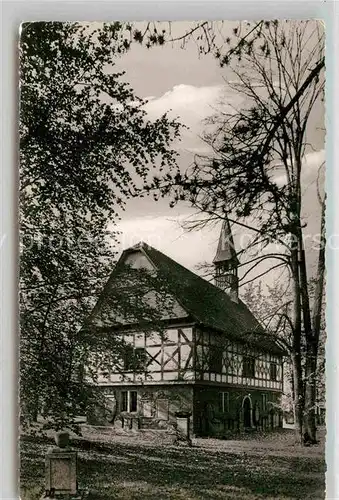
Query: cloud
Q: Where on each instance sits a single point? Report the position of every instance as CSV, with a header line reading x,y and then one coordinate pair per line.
x,y
311,163
313,160
193,102
165,234
199,150
192,105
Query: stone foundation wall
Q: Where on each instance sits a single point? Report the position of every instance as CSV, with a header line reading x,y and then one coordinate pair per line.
x,y
210,420
156,407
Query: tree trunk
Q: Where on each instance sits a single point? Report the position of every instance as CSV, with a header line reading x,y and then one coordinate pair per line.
x,y
298,393
312,341
309,425
298,396
310,428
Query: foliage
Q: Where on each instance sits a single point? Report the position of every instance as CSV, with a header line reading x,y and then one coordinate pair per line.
x,y
85,145
133,299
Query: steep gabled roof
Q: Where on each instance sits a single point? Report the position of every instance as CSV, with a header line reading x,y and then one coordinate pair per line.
x,y
208,305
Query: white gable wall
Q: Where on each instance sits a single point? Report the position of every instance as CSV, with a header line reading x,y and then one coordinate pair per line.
x,y
138,260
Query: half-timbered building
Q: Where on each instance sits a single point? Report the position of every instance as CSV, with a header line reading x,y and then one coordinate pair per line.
x,y
212,358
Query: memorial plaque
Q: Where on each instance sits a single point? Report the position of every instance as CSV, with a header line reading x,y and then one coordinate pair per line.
x,y
61,472
135,424
183,425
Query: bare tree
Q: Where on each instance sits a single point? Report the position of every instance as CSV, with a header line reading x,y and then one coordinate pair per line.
x,y
254,172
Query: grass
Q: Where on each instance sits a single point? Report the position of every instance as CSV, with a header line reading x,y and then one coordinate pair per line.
x,y
125,467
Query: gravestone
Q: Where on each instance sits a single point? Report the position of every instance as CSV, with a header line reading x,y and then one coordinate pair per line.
x,y
118,423
61,471
135,424
183,427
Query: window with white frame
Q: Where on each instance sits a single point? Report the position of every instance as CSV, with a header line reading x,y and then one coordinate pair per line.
x,y
224,402
129,401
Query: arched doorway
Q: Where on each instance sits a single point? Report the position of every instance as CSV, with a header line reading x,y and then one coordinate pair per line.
x,y
247,412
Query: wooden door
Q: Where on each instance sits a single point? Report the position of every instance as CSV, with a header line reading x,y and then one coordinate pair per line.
x,y
247,412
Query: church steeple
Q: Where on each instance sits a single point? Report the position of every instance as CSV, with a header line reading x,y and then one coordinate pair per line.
x,y
226,262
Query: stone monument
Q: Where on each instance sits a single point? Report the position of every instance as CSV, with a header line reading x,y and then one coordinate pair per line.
x,y
183,427
61,471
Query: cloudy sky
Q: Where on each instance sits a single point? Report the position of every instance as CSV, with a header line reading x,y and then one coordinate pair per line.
x,y
188,87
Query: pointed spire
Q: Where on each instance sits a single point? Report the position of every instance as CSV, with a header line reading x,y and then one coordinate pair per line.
x,y
226,262
226,250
